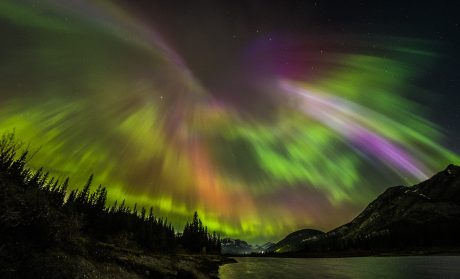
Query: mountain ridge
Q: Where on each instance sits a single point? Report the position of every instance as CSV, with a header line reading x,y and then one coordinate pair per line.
x,y
289,242
423,216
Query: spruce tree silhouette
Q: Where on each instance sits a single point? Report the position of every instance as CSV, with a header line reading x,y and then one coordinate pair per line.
x,y
196,239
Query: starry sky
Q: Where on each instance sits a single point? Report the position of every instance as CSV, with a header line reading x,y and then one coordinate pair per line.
x,y
264,116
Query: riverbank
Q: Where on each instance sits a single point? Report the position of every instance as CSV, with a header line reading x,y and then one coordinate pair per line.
x,y
105,261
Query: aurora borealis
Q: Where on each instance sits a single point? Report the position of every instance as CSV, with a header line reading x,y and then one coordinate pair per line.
x,y
289,130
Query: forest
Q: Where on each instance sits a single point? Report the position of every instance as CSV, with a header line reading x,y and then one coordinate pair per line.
x,y
39,212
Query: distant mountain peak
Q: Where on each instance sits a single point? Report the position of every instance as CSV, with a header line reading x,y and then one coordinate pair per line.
x,y
453,169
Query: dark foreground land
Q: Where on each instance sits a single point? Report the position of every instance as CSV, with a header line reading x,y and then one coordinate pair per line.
x,y
87,259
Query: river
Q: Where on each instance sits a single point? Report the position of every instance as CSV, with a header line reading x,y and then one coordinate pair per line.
x,y
418,267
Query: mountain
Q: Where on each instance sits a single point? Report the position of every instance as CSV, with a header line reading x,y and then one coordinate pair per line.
x,y
240,247
294,240
423,217
265,247
231,246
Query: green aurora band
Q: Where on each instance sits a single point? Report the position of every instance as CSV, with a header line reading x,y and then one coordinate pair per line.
x,y
95,90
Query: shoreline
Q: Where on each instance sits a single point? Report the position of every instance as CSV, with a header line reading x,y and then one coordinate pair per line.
x,y
90,259
353,254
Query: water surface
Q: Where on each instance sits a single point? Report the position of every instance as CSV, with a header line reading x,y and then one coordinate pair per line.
x,y
363,267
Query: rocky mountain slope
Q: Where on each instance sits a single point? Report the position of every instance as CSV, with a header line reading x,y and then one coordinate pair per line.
x,y
236,247
294,240
232,246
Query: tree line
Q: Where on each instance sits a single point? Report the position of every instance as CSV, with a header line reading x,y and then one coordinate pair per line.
x,y
41,208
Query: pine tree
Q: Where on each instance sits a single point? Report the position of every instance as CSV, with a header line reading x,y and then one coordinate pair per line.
x,y
83,197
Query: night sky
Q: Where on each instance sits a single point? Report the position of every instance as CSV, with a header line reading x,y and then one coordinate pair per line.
x,y
265,116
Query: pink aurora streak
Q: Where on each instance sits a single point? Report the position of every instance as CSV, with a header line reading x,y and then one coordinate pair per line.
x,y
346,118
